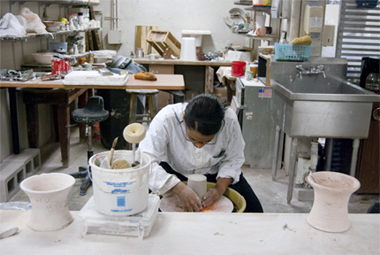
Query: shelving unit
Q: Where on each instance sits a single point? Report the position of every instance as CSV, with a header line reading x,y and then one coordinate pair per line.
x,y
257,8
64,2
25,38
20,40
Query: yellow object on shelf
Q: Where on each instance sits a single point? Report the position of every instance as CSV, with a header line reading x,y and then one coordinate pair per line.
x,y
304,40
262,2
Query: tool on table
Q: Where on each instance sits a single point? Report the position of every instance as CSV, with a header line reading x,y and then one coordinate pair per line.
x,y
105,72
113,149
9,232
134,133
50,77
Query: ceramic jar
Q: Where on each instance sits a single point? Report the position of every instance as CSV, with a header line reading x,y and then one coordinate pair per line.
x,y
48,195
332,192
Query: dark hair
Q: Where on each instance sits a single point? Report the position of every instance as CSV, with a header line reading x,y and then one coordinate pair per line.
x,y
205,114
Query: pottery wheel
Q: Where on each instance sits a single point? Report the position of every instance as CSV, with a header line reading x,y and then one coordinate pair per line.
x,y
168,204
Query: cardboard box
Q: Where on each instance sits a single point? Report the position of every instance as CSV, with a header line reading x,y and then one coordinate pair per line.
x,y
221,93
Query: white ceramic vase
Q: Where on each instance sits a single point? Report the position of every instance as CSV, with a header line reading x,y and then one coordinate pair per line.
x,y
332,192
48,195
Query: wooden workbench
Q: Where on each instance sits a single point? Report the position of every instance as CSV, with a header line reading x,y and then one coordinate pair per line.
x,y
147,61
60,95
164,82
200,233
198,75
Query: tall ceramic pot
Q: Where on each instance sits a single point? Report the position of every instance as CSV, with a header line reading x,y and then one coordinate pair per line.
x,y
48,195
332,192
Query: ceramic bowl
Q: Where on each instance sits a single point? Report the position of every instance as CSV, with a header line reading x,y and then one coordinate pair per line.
x,y
53,26
43,58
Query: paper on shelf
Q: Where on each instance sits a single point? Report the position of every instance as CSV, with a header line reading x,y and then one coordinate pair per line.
x,y
95,78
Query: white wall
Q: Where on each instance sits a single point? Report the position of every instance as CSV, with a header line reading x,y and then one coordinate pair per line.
x,y
331,18
174,16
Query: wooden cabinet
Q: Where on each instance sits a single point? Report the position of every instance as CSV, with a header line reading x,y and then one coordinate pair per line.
x,y
368,169
199,76
164,98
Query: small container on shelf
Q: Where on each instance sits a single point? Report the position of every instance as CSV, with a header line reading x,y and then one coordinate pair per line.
x,y
292,52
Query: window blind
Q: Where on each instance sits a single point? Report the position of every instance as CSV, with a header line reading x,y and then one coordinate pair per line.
x,y
358,36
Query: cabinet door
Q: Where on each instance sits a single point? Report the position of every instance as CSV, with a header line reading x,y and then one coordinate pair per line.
x,y
368,170
209,82
163,98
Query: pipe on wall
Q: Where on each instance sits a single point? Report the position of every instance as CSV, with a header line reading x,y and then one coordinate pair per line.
x,y
294,24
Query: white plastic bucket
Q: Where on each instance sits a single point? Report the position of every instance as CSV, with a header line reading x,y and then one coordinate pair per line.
x,y
121,192
188,50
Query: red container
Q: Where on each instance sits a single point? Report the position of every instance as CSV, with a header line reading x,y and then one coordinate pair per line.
x,y
238,68
60,66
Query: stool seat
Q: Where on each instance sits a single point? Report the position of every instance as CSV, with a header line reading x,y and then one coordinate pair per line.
x,y
143,91
93,112
149,94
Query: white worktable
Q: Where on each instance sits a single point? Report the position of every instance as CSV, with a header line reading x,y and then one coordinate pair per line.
x,y
201,233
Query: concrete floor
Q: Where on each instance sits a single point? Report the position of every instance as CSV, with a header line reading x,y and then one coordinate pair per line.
x,y
272,194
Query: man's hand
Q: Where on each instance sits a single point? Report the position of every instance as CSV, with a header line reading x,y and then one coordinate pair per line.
x,y
188,197
214,194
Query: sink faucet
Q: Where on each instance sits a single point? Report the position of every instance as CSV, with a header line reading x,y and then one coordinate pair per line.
x,y
301,71
320,69
313,70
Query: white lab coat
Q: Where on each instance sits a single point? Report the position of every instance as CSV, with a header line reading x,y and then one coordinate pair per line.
x,y
166,141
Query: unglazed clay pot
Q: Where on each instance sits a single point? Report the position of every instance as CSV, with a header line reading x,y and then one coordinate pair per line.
x,y
331,194
48,195
198,183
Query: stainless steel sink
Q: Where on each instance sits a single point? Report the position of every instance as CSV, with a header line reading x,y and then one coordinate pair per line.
x,y
312,99
312,104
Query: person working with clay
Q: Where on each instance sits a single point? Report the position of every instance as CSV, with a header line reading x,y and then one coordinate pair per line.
x,y
198,137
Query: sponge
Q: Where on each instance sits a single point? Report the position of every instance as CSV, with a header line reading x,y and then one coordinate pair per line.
x,y
304,40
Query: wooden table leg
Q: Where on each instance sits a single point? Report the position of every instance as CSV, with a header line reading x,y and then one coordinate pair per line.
x,y
32,125
64,132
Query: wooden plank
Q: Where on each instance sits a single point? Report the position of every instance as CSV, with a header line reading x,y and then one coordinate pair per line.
x,y
141,34
181,62
95,40
164,82
166,41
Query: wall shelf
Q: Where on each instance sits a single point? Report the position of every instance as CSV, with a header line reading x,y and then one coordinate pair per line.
x,y
243,3
65,2
274,38
25,38
257,8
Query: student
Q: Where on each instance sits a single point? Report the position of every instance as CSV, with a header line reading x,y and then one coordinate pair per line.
x,y
199,137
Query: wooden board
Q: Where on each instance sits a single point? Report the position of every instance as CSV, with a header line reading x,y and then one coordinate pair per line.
x,y
164,82
141,33
165,43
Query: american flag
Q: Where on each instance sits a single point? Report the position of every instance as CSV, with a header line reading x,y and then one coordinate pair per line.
x,y
265,93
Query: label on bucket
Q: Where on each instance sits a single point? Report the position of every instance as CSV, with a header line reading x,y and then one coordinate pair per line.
x,y
119,185
121,201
